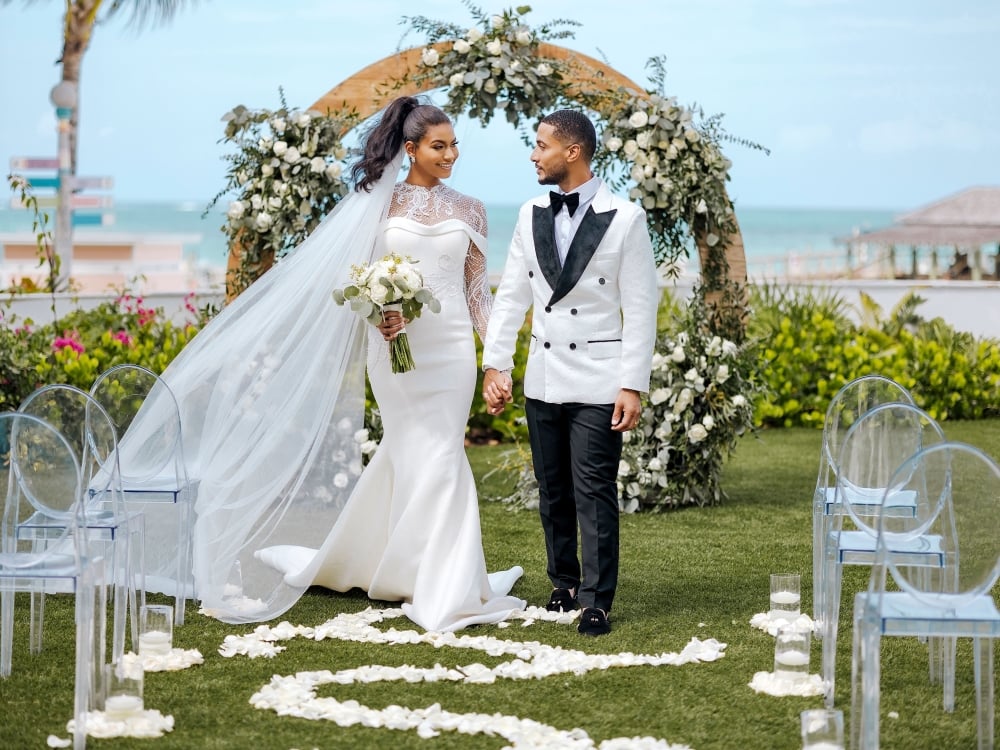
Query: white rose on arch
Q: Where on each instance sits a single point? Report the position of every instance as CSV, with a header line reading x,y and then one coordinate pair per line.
x,y
494,47
461,46
697,433
639,119
430,57
474,35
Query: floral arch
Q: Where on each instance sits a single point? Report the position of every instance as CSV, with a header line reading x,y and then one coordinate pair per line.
x,y
287,174
653,148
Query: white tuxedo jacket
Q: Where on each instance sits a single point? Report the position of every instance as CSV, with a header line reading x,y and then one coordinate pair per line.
x,y
594,320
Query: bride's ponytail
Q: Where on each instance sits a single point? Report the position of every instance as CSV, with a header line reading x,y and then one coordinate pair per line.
x,y
405,119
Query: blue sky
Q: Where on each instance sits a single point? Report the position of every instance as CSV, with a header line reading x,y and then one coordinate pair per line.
x,y
888,104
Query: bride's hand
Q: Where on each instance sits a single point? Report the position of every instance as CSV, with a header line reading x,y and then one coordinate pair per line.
x,y
392,325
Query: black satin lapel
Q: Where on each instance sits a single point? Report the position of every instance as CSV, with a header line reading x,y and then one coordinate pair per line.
x,y
543,232
592,230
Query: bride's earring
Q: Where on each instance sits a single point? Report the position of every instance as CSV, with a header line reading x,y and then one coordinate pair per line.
x,y
412,159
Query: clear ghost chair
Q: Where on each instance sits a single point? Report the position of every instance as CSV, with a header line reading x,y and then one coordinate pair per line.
x,y
846,407
90,431
960,490
873,448
39,469
154,475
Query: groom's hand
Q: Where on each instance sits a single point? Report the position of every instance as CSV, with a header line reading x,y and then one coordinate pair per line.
x,y
628,407
497,390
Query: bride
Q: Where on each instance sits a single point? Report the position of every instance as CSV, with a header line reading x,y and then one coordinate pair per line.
x,y
272,393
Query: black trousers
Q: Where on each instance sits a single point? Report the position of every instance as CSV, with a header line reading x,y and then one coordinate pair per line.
x,y
575,455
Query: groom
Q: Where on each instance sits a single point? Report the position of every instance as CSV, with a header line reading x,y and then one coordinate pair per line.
x,y
582,259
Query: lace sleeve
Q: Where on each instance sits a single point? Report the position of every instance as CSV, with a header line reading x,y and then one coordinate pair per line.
x,y
477,290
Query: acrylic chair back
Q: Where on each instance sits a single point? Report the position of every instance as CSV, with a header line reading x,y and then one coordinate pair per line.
x,y
154,473
847,406
960,489
91,432
86,426
960,500
39,469
874,447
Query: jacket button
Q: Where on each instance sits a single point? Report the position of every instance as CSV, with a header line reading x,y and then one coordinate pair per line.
x,y
573,311
531,274
600,281
548,308
547,345
572,346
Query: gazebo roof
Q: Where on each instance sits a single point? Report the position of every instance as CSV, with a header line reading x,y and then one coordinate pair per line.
x,y
968,218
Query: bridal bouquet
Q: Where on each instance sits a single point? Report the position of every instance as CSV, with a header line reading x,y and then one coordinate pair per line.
x,y
390,283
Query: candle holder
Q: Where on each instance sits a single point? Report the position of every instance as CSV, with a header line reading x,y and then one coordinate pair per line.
x,y
122,691
155,629
822,729
786,597
791,653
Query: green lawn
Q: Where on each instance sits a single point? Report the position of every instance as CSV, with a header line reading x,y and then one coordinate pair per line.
x,y
697,572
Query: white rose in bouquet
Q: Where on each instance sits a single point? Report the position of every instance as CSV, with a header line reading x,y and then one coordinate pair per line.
x,y
494,47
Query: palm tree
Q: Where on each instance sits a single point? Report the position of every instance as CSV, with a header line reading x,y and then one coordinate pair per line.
x,y
79,21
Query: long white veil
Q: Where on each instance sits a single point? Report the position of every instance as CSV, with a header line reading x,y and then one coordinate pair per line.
x,y
271,394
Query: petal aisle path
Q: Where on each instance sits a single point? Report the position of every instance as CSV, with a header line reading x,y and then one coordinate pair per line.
x,y
295,695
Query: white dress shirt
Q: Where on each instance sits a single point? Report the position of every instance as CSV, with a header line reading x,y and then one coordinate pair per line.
x,y
566,225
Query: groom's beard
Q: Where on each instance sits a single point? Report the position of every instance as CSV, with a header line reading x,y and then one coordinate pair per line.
x,y
553,177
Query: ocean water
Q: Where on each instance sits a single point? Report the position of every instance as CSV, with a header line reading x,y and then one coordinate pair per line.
x,y
768,233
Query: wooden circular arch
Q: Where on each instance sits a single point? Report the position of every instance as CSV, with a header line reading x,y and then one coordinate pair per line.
x,y
370,89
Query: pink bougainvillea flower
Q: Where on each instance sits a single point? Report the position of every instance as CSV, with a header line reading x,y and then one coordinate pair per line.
x,y
123,337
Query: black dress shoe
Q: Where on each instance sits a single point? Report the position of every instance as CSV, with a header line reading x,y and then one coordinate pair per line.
x,y
562,601
593,621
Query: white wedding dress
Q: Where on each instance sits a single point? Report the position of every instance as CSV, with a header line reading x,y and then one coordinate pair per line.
x,y
410,529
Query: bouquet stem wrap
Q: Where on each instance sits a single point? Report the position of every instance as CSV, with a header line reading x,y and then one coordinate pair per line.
x,y
399,348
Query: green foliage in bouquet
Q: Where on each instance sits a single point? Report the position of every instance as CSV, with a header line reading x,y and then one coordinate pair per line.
x,y
811,346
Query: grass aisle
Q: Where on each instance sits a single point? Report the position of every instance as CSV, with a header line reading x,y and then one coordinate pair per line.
x,y
691,573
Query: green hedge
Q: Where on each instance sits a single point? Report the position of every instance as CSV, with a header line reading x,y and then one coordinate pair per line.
x,y
811,346
808,340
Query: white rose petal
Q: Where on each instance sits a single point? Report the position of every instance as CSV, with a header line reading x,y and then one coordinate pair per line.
x,y
494,47
523,38
456,80
461,46
474,35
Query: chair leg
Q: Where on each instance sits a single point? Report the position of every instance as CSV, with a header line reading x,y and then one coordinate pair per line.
x,y
822,526
865,718
948,645
6,625
36,620
983,659
829,626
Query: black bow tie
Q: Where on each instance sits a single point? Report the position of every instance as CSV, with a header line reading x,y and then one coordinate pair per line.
x,y
570,200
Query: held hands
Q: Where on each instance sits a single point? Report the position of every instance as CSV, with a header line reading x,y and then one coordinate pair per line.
x,y
392,324
628,408
497,390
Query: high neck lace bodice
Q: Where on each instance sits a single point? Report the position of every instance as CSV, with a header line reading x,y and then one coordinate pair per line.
x,y
433,205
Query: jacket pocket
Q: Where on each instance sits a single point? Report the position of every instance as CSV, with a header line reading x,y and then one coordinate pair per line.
x,y
604,349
